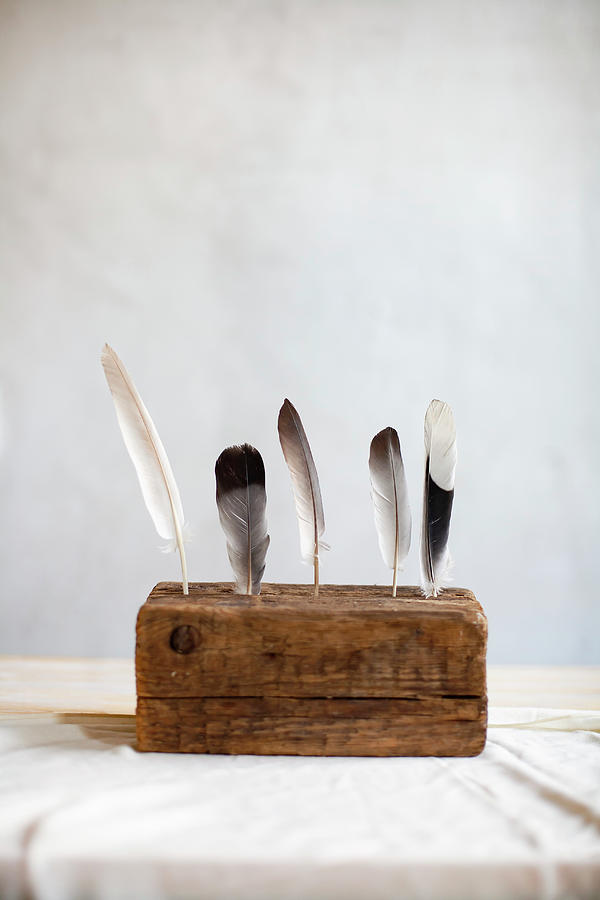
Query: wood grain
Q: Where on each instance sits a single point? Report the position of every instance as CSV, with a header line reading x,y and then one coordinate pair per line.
x,y
313,727
351,642
352,671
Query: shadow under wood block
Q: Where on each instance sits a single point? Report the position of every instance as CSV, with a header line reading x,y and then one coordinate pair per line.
x,y
353,672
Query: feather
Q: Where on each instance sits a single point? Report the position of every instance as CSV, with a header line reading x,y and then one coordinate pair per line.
x,y
390,500
305,482
148,455
242,504
438,495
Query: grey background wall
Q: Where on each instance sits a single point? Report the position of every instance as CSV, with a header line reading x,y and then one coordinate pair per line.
x,y
359,205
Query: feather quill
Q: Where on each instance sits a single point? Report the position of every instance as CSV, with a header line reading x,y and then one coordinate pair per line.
x,y
242,504
305,483
438,495
390,500
148,455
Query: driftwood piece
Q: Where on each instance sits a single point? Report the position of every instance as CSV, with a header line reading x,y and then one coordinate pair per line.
x,y
353,672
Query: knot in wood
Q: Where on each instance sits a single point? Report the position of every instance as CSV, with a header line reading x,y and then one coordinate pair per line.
x,y
184,639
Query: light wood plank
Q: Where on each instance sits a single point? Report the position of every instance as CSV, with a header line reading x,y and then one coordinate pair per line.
x,y
548,687
30,684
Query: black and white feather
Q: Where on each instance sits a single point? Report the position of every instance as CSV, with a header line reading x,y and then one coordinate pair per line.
x,y
242,505
438,495
390,500
305,483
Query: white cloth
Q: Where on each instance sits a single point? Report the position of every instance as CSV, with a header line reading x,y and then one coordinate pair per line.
x,y
83,814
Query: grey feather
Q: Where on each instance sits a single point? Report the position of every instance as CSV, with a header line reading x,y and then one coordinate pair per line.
x,y
305,483
390,500
242,505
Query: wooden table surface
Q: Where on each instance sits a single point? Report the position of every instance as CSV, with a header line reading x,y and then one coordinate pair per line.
x,y
107,686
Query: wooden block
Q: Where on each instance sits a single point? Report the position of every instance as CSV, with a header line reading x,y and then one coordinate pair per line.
x,y
353,672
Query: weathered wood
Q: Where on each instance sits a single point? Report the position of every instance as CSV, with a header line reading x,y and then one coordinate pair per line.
x,y
352,672
351,642
336,727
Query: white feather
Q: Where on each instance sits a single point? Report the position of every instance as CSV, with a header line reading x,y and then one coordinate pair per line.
x,y
148,455
440,444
